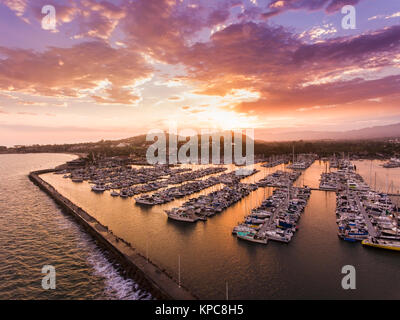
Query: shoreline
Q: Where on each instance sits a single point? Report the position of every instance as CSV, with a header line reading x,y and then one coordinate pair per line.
x,y
76,154
149,276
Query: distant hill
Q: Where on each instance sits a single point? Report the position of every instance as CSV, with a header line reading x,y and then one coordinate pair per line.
x,y
377,132
368,142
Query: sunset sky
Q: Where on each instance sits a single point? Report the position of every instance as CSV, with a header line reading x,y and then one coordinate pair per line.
x,y
114,69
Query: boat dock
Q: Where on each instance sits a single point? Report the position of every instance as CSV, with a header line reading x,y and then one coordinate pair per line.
x,y
362,212
267,226
319,189
276,218
371,229
170,194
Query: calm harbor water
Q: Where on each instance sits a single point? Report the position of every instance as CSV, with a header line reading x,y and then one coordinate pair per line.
x,y
211,258
34,232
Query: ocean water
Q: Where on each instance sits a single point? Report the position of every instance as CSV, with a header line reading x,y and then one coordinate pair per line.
x,y
34,232
309,267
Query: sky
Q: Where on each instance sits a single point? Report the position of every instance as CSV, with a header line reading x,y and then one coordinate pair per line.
x,y
115,69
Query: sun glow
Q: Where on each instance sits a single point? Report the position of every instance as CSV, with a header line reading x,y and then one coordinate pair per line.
x,y
226,120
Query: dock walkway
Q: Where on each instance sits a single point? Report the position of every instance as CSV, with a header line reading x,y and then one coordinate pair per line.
x,y
389,194
371,230
266,226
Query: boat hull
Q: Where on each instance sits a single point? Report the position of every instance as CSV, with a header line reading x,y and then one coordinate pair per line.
x,y
182,219
251,239
278,239
381,246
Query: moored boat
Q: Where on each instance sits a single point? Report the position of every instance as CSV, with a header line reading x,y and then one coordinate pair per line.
x,y
98,188
382,244
252,237
181,216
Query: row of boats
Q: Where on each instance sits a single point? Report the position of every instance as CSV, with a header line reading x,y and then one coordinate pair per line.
x,y
342,179
279,179
303,162
341,163
273,161
205,206
329,181
365,215
362,214
173,193
392,163
186,189
276,218
134,190
122,176
193,175
129,187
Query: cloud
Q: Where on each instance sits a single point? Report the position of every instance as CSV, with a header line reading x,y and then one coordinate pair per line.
x,y
220,55
276,7
18,6
394,15
27,113
98,19
84,66
382,16
385,41
318,32
90,18
193,110
315,108
32,103
276,63
175,98
164,28
324,96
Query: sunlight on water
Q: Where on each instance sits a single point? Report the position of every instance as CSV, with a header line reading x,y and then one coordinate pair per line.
x,y
34,232
308,267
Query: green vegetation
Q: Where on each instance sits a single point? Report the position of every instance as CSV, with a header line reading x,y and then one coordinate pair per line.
x,y
137,147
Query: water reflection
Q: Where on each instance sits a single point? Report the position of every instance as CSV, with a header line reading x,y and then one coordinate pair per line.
x,y
34,232
308,267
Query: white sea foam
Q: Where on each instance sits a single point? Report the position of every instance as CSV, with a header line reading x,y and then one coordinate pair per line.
x,y
116,286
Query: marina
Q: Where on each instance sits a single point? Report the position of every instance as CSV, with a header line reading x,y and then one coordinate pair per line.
x,y
132,180
164,240
150,277
172,193
279,179
302,161
208,205
392,163
276,219
275,161
200,150
215,202
362,213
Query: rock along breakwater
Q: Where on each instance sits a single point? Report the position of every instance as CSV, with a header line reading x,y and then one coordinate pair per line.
x,y
149,276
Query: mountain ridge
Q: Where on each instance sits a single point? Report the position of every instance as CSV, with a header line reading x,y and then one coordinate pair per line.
x,y
374,132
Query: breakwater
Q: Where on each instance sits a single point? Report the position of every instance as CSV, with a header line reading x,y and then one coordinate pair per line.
x,y
149,276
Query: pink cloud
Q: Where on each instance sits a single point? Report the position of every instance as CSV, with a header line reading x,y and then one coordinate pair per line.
x,y
73,72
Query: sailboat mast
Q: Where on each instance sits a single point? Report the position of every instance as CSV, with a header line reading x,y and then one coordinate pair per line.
x,y
293,154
